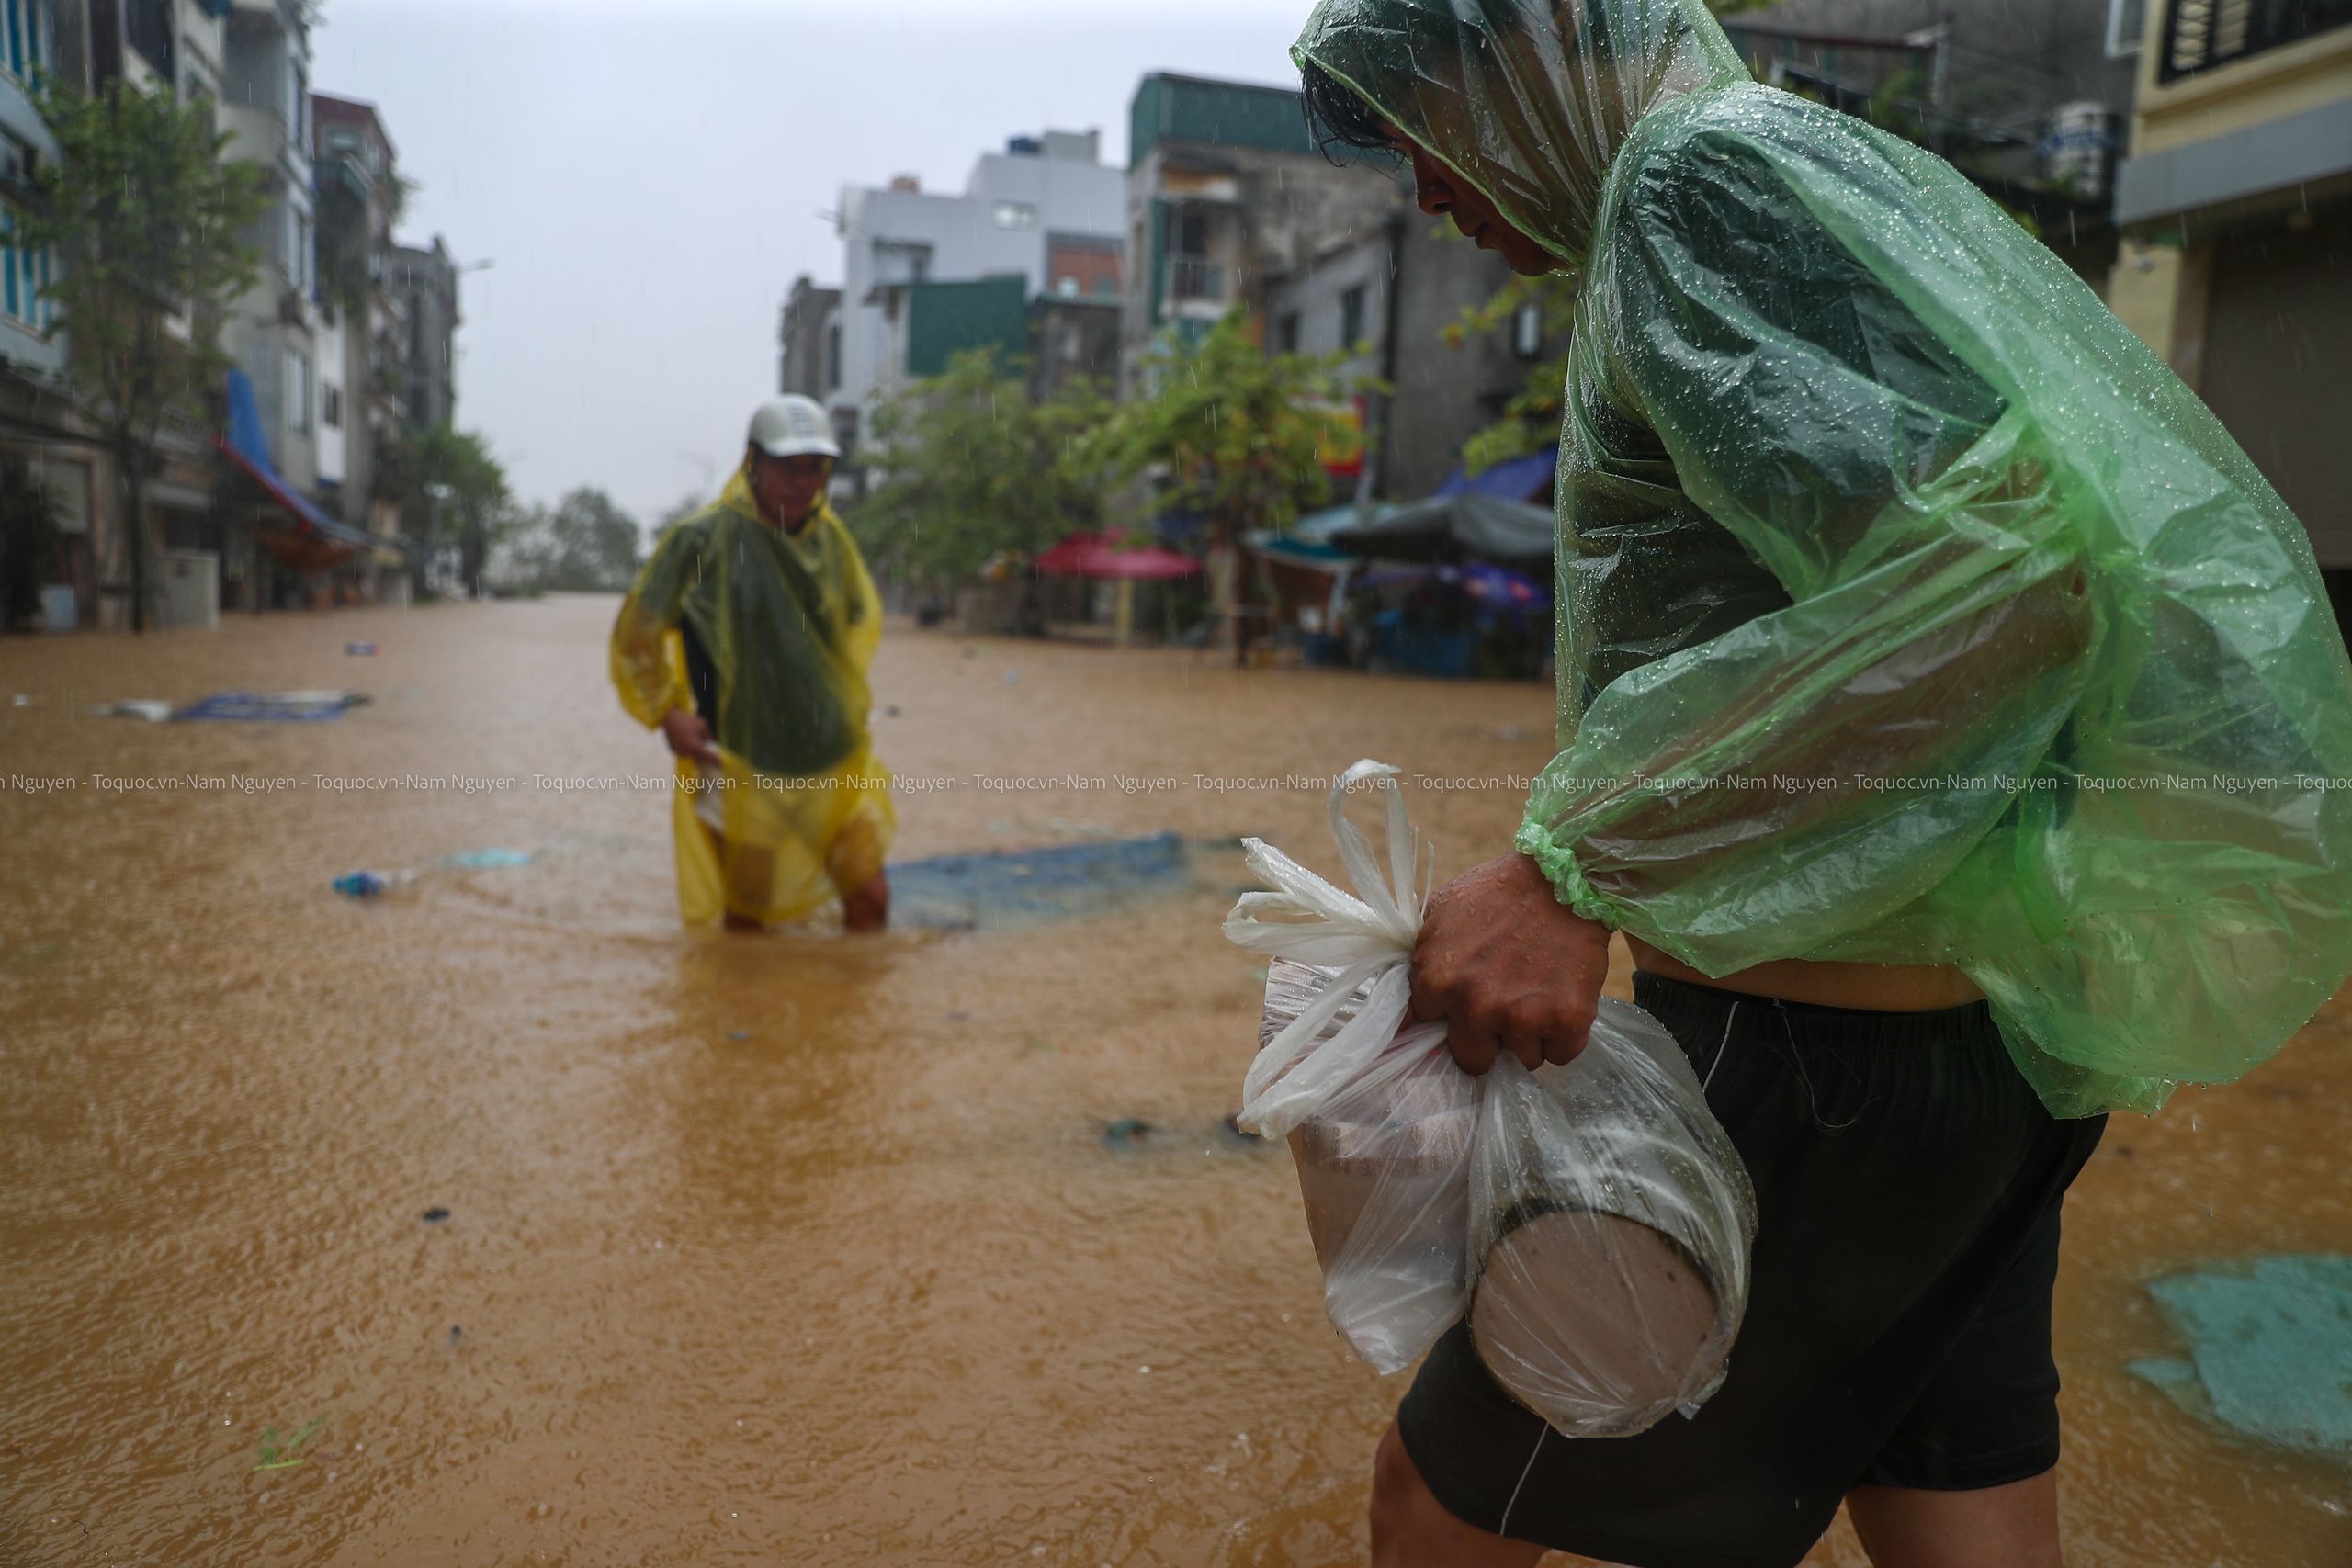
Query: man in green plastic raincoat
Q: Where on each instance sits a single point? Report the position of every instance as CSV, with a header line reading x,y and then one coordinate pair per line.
x,y
1951,717
746,641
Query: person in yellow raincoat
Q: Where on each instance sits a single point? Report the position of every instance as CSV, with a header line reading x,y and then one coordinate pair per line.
x,y
746,641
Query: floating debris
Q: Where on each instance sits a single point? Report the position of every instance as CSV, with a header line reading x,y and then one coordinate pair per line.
x,y
148,708
2271,1348
435,1214
1126,1132
957,892
487,859
276,1455
273,707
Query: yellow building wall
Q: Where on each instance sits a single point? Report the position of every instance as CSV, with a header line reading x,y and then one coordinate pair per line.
x,y
2239,96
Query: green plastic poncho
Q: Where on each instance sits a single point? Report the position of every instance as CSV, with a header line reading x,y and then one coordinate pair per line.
x,y
1912,611
782,630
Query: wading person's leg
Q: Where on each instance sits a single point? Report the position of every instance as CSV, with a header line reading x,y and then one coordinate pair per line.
x,y
854,863
1410,1529
1998,1526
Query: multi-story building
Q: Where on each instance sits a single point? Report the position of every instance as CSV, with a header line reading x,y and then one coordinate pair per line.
x,y
1230,201
38,420
925,275
424,280
1227,192
357,173
808,337
272,332
2236,208
1392,297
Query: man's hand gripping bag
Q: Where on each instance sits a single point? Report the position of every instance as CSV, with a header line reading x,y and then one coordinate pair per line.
x,y
1593,1219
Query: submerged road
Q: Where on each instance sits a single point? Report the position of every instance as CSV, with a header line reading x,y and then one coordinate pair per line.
x,y
792,1249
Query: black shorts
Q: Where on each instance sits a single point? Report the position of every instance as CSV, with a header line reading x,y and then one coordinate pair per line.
x,y
1908,1188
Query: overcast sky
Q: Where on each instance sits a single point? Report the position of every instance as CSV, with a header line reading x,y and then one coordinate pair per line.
x,y
647,178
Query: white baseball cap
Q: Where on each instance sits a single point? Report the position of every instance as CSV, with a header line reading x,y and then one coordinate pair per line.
x,y
793,426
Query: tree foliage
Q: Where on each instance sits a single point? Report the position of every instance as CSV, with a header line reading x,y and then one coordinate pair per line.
x,y
1237,433
973,469
586,545
143,215
450,491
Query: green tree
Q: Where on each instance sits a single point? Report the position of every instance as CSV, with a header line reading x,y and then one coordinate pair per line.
x,y
143,214
586,544
1239,433
973,469
450,491
598,546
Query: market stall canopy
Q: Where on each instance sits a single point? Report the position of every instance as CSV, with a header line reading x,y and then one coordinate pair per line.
x,y
1527,478
1312,555
244,447
1092,555
1451,527
1320,525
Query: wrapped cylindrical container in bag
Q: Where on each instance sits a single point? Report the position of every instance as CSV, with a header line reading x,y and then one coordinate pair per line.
x,y
1592,1219
1610,1222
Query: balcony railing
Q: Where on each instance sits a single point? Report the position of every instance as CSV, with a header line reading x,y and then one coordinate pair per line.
x,y
2201,34
1194,277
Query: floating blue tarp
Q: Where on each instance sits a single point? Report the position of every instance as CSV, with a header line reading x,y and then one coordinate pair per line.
x,y
273,707
952,892
2271,1342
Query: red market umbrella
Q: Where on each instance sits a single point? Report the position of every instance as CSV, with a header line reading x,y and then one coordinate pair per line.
x,y
1088,555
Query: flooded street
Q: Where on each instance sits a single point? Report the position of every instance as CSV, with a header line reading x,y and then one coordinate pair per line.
x,y
785,1249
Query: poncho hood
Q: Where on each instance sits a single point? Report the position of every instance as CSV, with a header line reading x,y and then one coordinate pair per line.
x,y
1528,100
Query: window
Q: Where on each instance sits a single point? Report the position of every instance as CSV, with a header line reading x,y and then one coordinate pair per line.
x,y
834,357
1015,215
24,49
1527,330
147,26
298,393
330,406
902,261
1351,317
2126,20
1286,332
304,272
24,278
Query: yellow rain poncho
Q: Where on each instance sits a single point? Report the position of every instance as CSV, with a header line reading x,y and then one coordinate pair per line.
x,y
775,631
1912,611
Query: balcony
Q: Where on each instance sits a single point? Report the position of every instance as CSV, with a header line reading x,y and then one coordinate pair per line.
x,y
1193,287
2201,34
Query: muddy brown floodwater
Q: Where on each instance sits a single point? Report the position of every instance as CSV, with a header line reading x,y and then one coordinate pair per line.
x,y
782,1249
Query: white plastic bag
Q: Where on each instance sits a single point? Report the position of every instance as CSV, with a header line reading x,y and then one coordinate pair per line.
x,y
1593,1219
1378,1116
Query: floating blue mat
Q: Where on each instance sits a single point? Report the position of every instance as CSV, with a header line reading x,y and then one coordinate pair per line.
x,y
272,707
2272,1346
952,892
487,859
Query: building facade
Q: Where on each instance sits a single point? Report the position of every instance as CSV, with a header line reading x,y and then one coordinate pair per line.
x,y
1041,218
363,330
1225,193
424,284
808,341
2236,209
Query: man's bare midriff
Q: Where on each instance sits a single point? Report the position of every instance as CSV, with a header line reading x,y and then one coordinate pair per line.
x,y
1874,987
